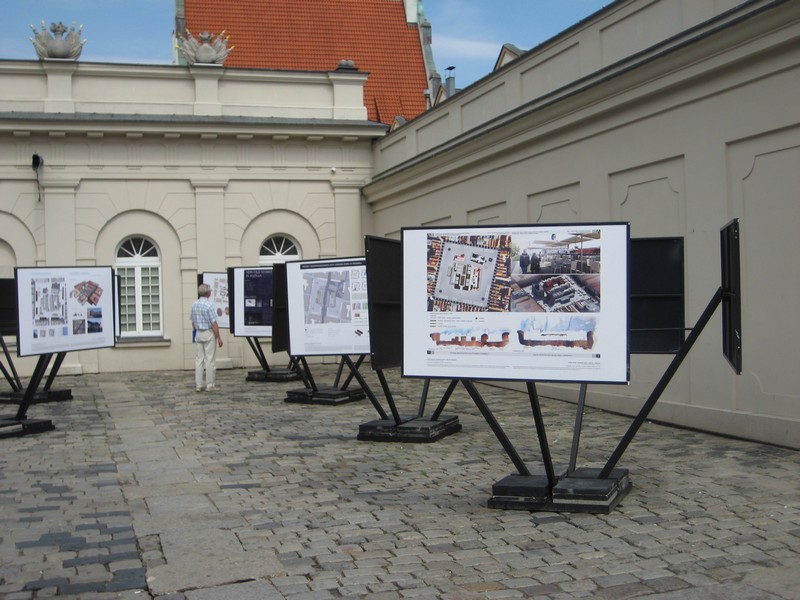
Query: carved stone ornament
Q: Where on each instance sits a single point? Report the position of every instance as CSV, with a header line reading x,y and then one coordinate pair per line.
x,y
202,50
58,45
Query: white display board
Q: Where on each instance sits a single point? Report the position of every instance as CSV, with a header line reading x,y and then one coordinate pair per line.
x,y
63,309
218,282
328,307
526,303
252,297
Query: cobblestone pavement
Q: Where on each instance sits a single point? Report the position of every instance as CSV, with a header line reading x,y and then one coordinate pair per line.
x,y
147,489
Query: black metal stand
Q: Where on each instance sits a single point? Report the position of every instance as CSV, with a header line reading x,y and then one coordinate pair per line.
x,y
47,394
268,373
523,490
662,383
329,395
11,376
600,490
409,428
20,422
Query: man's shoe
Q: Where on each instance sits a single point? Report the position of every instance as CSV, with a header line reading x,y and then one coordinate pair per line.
x,y
198,389
211,388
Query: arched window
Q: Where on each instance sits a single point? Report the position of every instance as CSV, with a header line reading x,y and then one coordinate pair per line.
x,y
138,267
278,249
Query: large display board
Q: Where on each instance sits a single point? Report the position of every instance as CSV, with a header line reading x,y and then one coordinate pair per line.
x,y
63,309
250,300
523,302
385,295
328,312
218,282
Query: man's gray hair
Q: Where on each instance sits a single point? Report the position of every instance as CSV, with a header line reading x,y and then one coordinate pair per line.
x,y
203,290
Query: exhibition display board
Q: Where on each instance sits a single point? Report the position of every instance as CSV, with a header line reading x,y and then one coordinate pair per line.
x,y
218,282
64,309
522,302
327,301
250,301
384,260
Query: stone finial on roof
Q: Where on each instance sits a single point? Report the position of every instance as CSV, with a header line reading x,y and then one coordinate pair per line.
x,y
204,49
346,64
57,45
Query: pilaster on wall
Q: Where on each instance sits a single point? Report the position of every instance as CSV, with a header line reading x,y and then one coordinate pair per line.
x,y
347,207
210,219
206,89
59,85
58,198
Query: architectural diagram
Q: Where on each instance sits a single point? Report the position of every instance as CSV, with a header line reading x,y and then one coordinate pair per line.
x,y
469,273
327,297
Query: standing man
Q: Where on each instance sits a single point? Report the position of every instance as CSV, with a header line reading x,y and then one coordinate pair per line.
x,y
204,321
524,261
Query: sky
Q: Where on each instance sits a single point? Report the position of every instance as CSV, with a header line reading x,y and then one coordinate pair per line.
x,y
467,34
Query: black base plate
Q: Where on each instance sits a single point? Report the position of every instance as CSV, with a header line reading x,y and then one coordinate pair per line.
x,y
273,375
26,426
582,491
411,429
325,395
38,397
521,492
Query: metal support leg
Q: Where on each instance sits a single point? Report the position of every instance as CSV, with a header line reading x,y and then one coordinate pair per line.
x,y
541,433
443,402
662,384
576,430
496,428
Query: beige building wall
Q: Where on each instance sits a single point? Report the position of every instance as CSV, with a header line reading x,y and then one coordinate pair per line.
x,y
674,115
205,162
677,139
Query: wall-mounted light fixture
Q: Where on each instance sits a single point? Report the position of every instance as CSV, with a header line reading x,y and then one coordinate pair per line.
x,y
37,162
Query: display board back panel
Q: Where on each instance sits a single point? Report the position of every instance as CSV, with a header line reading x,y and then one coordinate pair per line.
x,y
8,307
517,302
64,309
328,307
385,294
280,309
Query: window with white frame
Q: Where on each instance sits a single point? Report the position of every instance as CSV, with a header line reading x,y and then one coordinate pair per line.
x,y
138,267
278,249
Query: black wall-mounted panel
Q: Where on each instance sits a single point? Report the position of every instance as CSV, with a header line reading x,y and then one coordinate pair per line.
x,y
656,290
731,295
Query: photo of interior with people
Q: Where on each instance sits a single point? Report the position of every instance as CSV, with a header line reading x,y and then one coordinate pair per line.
x,y
556,272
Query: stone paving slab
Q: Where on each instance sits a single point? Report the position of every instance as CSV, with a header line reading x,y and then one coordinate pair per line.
x,y
147,489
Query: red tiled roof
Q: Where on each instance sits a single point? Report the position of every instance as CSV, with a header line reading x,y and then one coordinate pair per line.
x,y
314,35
